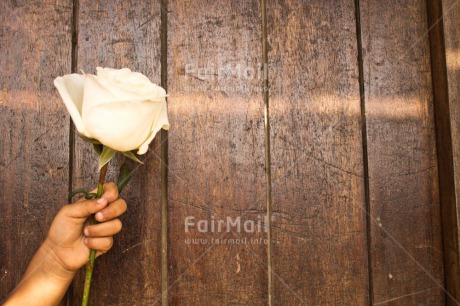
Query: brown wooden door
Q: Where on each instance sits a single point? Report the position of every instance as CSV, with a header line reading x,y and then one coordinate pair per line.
x,y
344,150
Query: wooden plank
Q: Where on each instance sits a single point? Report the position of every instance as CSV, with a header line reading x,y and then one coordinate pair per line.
x,y
406,246
444,41
35,47
164,162
319,251
216,151
451,14
119,34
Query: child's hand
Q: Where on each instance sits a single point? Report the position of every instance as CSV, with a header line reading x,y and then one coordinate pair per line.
x,y
71,236
67,248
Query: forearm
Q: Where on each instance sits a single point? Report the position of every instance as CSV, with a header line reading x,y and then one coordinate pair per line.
x,y
45,281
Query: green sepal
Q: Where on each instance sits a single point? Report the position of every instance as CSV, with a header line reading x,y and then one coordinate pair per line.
x,y
124,176
106,155
89,196
75,192
131,156
88,139
98,148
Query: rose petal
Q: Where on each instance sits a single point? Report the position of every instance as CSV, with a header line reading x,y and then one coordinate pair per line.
x,y
122,126
101,90
70,87
159,122
126,85
113,75
95,94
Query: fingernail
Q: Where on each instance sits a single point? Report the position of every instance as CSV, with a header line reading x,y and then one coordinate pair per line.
x,y
86,232
86,240
100,216
101,201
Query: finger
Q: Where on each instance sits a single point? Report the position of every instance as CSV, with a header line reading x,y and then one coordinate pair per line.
x,y
102,244
110,193
83,197
99,253
112,211
83,209
103,229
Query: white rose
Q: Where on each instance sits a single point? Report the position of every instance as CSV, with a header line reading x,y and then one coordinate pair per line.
x,y
121,109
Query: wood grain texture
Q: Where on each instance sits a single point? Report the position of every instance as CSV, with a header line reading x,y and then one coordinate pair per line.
x,y
319,251
445,48
216,148
216,151
451,19
403,175
448,201
35,47
121,34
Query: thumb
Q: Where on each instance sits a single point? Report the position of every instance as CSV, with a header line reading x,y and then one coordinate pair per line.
x,y
83,209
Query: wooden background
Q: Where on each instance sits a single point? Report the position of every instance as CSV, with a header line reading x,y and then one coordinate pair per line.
x,y
357,167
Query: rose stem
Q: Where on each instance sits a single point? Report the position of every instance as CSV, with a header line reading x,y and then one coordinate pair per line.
x,y
92,254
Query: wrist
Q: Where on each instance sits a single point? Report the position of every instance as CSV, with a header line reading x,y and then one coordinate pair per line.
x,y
45,281
52,264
